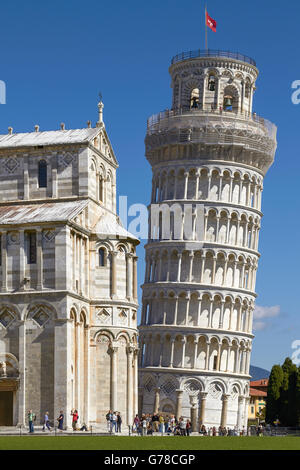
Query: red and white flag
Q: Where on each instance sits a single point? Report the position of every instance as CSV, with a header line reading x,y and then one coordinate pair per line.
x,y
212,24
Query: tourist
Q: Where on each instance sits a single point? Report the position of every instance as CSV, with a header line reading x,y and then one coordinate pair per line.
x,y
182,426
46,422
119,422
155,422
83,427
136,423
31,419
188,427
144,426
74,414
60,420
109,420
114,422
167,424
161,424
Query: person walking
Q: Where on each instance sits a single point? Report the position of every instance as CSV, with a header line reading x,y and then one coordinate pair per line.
x,y
74,414
119,422
60,420
31,418
46,421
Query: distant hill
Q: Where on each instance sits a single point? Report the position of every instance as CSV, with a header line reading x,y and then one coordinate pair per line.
x,y
258,373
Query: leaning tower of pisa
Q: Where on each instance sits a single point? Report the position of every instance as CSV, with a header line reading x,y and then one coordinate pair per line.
x,y
209,154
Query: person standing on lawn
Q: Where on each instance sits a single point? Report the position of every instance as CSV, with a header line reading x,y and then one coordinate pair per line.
x,y
31,419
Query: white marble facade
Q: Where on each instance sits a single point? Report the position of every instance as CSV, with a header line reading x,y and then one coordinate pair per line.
x,y
68,285
209,152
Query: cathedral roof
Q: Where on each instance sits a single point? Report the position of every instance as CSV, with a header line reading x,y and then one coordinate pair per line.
x,y
59,137
45,212
109,226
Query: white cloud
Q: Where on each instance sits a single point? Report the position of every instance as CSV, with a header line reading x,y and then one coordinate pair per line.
x,y
261,313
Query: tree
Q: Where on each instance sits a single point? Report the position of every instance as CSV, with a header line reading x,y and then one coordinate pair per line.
x,y
287,410
273,394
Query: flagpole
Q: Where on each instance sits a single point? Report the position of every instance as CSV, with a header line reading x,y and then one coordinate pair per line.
x,y
206,47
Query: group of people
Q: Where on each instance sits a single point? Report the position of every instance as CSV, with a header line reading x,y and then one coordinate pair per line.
x,y
60,421
169,424
148,424
114,421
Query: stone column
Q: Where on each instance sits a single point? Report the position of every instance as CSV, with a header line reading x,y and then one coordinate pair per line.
x,y
39,259
197,185
203,396
62,374
54,183
22,369
179,267
241,405
194,413
191,256
186,178
26,181
179,403
156,400
135,378
183,341
129,385
114,274
134,288
87,373
77,365
22,258
114,378
129,281
195,353
176,310
245,423
224,410
4,261
207,356
172,352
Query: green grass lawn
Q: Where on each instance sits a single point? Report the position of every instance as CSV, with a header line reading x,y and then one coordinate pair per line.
x,y
147,443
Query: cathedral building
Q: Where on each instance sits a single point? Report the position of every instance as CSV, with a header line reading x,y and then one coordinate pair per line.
x,y
209,154
68,279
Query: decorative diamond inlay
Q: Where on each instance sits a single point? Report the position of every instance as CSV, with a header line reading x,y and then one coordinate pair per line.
x,y
6,318
168,387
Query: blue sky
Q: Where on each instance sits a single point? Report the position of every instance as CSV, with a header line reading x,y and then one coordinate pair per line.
x,y
56,56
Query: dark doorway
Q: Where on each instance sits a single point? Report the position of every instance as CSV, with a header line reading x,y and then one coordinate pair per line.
x,y
6,408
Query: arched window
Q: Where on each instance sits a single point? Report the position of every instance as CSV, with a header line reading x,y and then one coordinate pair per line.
x,y
101,189
42,174
211,82
101,257
195,94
